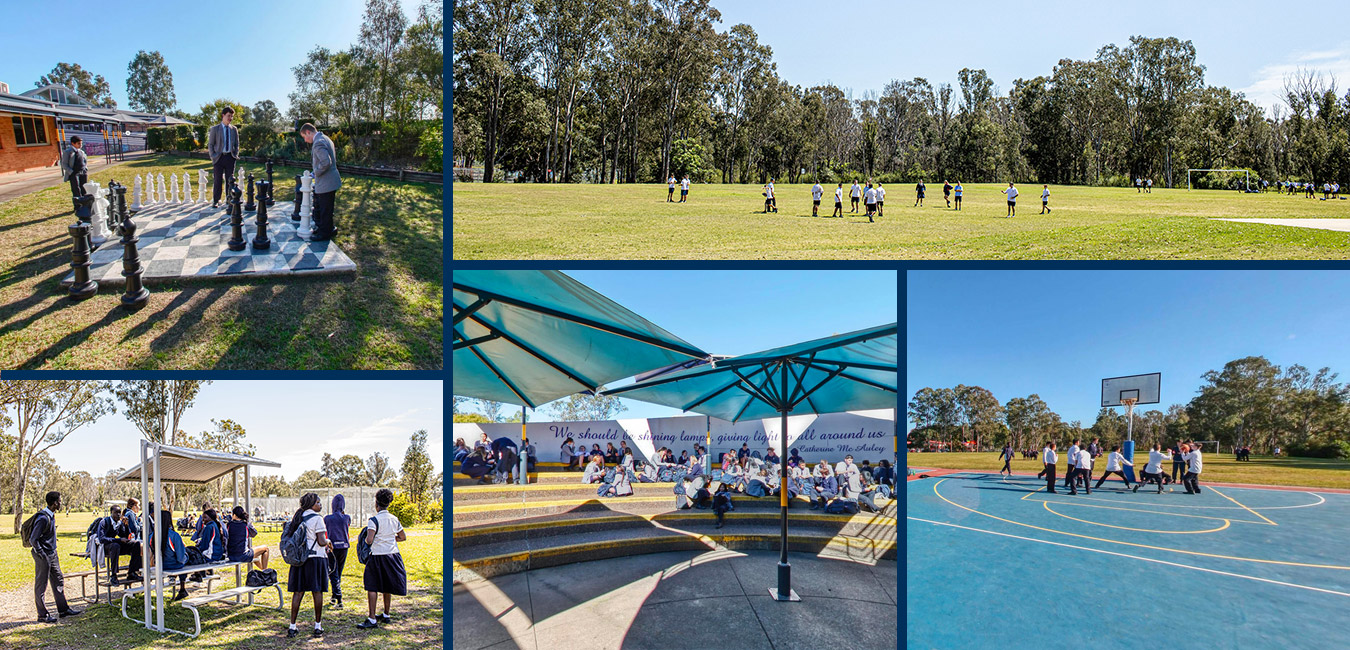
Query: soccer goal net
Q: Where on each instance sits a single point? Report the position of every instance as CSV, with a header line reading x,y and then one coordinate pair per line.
x,y
1208,446
1219,179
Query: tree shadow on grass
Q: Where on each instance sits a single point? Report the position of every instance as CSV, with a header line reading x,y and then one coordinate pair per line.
x,y
75,338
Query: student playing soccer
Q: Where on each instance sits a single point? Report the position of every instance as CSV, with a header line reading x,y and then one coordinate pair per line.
x,y
957,190
1045,199
855,194
1012,200
947,192
918,193
870,201
1113,466
881,199
684,189
670,189
1153,472
816,191
838,201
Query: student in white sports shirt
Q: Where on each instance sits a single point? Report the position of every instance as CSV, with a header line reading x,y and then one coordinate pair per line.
x,y
769,202
1048,455
1012,200
816,192
855,194
1153,471
1194,465
684,189
1115,462
870,201
881,199
1045,200
838,201
1070,458
1082,466
670,189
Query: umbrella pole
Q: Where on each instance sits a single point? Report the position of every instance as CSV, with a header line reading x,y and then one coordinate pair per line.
x,y
521,476
784,591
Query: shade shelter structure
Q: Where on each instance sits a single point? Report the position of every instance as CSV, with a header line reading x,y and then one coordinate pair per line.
x,y
162,465
529,337
858,370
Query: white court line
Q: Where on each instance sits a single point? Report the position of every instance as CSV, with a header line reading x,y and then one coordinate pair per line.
x,y
1136,557
1320,499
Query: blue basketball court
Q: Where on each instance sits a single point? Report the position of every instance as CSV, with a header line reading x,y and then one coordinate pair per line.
x,y
996,562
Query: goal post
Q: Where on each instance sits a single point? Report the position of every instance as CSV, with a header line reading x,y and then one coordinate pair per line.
x,y
1246,182
1204,445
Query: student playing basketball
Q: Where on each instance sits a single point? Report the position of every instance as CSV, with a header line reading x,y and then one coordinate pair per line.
x,y
1153,472
1082,469
1012,200
855,194
918,193
670,189
1045,200
1114,461
947,193
957,190
1194,465
838,201
816,191
1006,456
1048,455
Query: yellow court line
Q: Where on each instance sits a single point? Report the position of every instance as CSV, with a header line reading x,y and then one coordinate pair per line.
x,y
1138,530
1149,512
1243,507
1113,541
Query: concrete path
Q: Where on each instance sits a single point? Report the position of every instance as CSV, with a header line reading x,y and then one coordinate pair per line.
x,y
15,185
1341,225
688,599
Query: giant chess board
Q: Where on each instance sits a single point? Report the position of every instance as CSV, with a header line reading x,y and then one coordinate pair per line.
x,y
188,240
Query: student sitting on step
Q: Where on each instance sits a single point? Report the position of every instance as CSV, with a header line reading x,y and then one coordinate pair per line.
x,y
476,465
568,454
461,450
595,470
722,503
825,487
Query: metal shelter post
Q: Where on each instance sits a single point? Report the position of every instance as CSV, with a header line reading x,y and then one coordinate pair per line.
x,y
707,446
784,591
145,542
159,561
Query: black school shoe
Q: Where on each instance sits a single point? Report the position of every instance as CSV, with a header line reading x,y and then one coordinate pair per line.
x,y
384,618
50,618
291,632
71,612
366,624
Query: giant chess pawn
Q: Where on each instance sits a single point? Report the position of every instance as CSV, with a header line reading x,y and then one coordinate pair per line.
x,y
119,205
136,294
163,195
81,287
250,205
239,177
201,186
173,178
136,194
306,206
98,220
269,200
295,211
260,241
187,188
236,209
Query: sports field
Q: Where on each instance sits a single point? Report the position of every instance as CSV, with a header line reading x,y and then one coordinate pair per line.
x,y
997,562
524,221
418,617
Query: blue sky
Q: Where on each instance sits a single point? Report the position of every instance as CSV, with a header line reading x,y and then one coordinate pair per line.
x,y
863,44
739,312
291,422
1059,333
243,50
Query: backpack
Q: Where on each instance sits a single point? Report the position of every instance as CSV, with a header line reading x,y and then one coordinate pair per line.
x,y
842,507
95,529
261,578
362,548
294,549
26,530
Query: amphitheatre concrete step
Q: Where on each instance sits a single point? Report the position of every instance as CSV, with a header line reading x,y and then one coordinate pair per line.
x,y
543,491
517,508
868,525
534,477
488,560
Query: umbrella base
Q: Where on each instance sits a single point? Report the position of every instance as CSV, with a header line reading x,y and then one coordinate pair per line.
x,y
792,596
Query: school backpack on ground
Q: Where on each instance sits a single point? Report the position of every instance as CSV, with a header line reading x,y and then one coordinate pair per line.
x,y
842,507
294,549
362,548
261,578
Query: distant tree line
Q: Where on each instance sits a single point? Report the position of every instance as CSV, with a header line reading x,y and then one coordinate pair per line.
x,y
1249,402
625,91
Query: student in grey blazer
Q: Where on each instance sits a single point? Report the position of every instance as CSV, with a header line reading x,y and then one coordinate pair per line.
x,y
223,145
75,165
326,181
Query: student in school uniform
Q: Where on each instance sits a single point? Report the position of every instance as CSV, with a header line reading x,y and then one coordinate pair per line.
x,y
1194,465
918,193
595,470
312,576
1178,463
1012,200
239,542
684,189
336,523
947,193
855,194
769,202
1070,458
870,202
670,189
957,192
1006,456
1153,471
816,192
1048,455
384,573
881,200
1114,462
1045,199
1082,468
838,201
47,563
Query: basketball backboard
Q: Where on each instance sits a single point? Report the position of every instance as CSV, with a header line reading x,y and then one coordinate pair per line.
x,y
1144,389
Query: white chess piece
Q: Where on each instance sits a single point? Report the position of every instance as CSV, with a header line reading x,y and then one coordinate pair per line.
x,y
99,220
187,188
306,204
201,186
175,197
239,177
163,196
136,194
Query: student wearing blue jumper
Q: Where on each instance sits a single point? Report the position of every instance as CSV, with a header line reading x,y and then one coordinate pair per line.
x,y
337,522
47,564
239,540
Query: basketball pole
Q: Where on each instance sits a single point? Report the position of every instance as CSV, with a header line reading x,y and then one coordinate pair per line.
x,y
1128,446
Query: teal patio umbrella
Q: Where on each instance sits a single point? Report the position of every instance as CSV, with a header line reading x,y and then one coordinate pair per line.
x,y
529,337
858,370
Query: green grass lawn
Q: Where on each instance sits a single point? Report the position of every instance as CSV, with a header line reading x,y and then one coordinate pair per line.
x,y
1220,468
387,316
418,617
515,221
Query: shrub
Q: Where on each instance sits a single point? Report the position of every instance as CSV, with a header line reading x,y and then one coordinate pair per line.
x,y
405,510
431,148
1321,449
434,512
160,138
255,136
184,139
